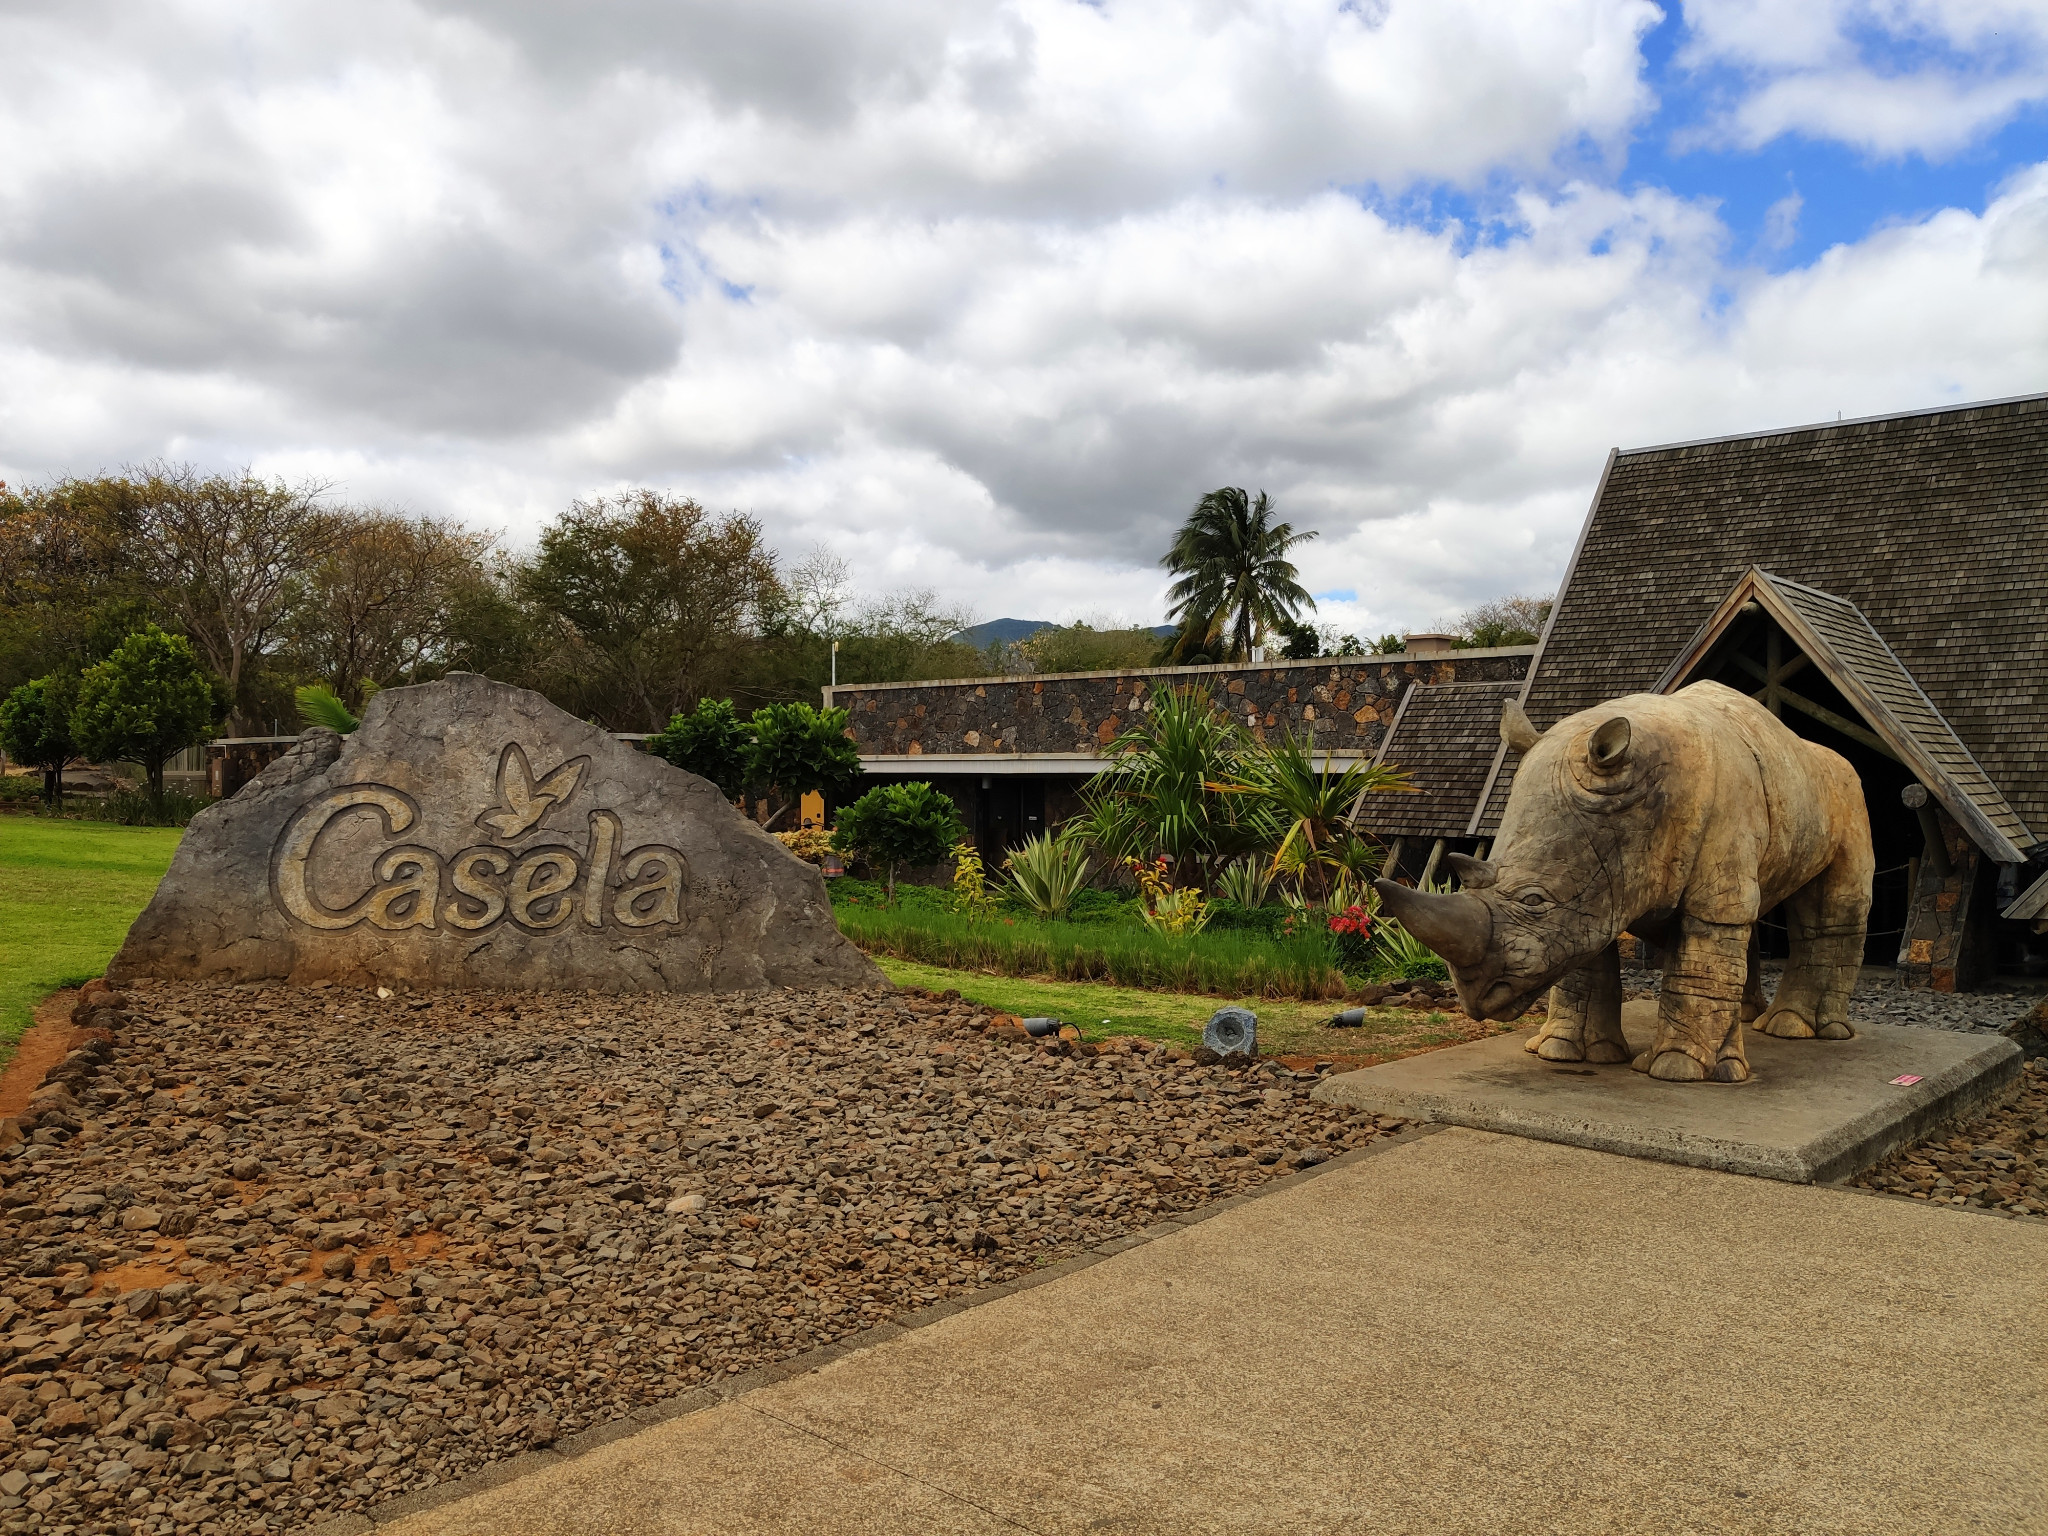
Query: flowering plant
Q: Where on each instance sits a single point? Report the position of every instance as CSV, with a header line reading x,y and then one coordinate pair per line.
x,y
1352,930
1168,909
1353,919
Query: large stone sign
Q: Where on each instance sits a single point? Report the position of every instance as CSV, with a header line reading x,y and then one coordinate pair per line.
x,y
471,834
1682,819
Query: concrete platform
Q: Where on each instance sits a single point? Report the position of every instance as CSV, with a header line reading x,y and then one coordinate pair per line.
x,y
1813,1111
1467,1335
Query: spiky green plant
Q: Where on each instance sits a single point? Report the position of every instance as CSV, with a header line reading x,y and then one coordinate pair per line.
x,y
1314,808
1247,882
1047,871
1162,796
321,705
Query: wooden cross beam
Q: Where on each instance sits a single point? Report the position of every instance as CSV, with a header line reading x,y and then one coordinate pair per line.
x,y
1775,696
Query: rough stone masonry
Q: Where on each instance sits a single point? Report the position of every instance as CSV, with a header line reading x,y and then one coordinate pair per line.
x,y
470,834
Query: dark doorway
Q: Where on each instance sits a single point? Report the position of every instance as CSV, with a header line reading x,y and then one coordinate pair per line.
x,y
1007,811
1758,658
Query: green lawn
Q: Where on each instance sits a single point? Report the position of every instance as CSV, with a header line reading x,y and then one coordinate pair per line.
x,y
1099,1009
68,891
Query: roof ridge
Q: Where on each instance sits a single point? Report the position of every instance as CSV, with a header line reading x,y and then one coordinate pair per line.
x,y
1823,426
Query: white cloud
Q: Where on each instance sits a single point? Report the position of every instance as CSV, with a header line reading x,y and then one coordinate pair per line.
x,y
982,296
1887,77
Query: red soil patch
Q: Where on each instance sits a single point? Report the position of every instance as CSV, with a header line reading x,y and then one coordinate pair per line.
x,y
48,1041
162,1266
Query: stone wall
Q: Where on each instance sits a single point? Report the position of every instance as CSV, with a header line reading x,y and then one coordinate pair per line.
x,y
1346,705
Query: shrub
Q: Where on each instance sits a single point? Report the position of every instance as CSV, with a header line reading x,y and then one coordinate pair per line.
x,y
1227,964
19,789
140,808
899,824
1048,871
848,891
810,844
797,750
971,895
35,728
710,741
147,700
1274,922
1093,906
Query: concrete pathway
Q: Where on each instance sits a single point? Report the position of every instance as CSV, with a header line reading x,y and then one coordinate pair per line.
x,y
1465,1333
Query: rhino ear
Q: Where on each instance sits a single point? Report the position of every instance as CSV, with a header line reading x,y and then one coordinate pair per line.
x,y
1515,728
1473,874
1609,746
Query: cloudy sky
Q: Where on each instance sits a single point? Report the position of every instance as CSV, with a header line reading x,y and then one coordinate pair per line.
x,y
984,295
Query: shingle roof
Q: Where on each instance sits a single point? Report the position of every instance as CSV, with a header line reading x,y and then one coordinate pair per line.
x,y
1934,526
2032,902
1443,736
1838,639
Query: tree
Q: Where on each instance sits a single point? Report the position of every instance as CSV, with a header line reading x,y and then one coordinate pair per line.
x,y
1235,579
798,750
1504,621
1082,647
1303,643
149,699
711,742
35,728
899,824
656,596
229,556
71,587
381,606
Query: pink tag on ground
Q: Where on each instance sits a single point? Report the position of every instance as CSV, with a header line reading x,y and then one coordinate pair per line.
x,y
1905,1082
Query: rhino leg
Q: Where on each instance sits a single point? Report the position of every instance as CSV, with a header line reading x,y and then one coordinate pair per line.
x,y
1699,1020
1585,1014
1754,1003
1826,919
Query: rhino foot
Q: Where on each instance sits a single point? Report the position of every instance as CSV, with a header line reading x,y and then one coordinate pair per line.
x,y
1729,1070
1785,1024
1837,1029
1606,1052
1558,1048
1677,1067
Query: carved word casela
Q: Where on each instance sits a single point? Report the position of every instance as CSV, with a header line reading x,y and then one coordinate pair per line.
x,y
540,888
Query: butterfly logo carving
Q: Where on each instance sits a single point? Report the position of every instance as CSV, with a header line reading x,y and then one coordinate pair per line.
x,y
521,802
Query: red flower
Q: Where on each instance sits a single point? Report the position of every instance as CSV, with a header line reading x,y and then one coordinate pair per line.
x,y
1353,919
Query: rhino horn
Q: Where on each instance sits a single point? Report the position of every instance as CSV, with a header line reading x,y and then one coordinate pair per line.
x,y
1473,874
1458,927
1516,729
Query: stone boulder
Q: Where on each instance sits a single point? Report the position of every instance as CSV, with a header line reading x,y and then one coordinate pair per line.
x,y
470,834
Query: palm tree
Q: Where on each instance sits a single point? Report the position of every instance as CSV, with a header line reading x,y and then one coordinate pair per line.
x,y
1236,581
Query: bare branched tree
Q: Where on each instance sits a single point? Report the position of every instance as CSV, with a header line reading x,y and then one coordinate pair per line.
x,y
228,556
381,606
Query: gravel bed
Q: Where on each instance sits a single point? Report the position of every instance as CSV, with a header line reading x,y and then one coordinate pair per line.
x,y
1998,1161
270,1255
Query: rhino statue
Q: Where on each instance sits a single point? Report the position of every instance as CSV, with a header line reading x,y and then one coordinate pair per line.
x,y
1680,818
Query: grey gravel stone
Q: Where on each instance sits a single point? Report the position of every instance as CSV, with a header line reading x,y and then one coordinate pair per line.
x,y
555,1209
